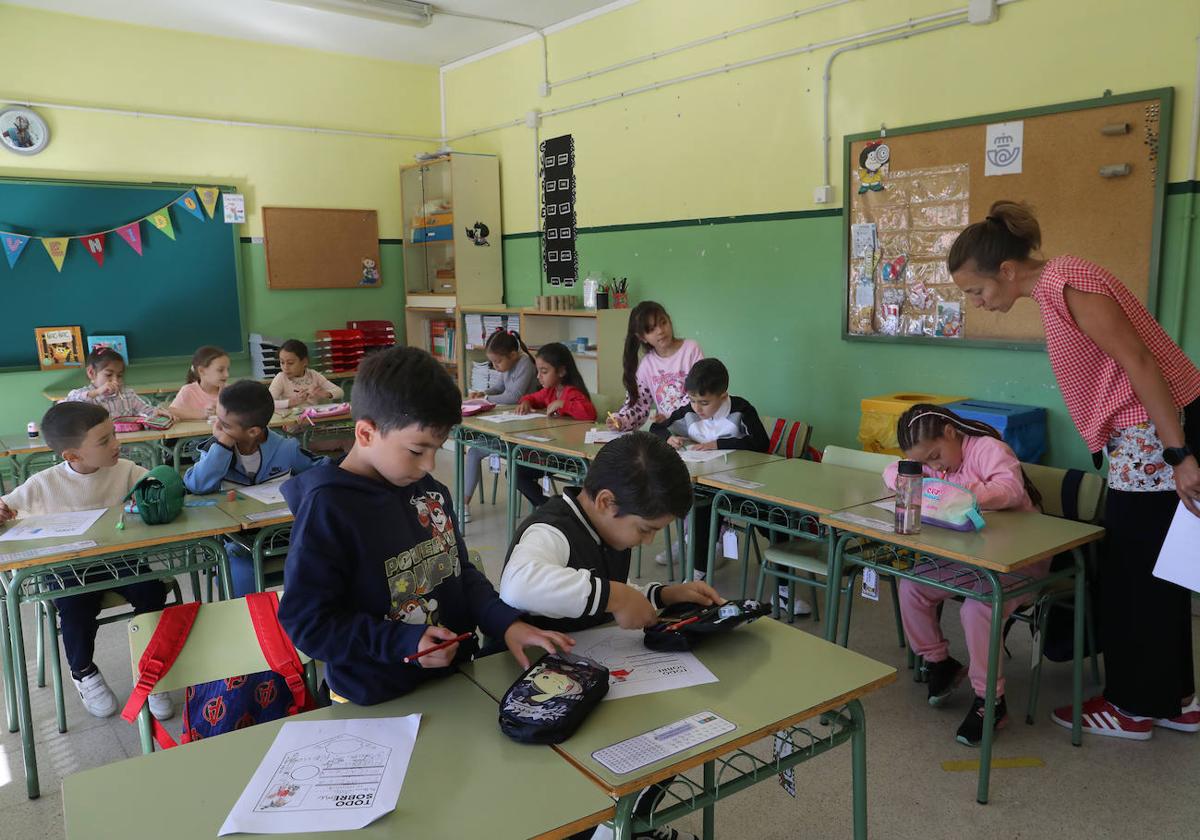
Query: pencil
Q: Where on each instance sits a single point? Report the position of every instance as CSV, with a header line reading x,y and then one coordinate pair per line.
x,y
462,637
679,624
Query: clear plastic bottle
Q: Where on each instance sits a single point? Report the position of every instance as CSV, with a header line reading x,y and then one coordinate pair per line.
x,y
909,480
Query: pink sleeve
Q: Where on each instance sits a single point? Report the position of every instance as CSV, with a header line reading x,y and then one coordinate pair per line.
x,y
694,352
999,484
889,474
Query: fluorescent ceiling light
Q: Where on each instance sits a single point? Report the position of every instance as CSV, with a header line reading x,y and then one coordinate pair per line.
x,y
407,12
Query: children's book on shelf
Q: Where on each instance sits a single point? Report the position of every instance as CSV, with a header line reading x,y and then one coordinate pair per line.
x,y
113,342
59,347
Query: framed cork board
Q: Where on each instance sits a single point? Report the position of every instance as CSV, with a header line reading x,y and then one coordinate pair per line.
x,y
321,249
1094,172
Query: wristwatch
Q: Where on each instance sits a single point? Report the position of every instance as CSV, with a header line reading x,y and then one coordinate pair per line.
x,y
1174,455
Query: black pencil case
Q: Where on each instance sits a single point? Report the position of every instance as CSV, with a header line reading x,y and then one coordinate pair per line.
x,y
709,621
548,702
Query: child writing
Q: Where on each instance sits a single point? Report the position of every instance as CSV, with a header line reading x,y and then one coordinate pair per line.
x,y
711,419
106,373
970,454
296,384
92,475
568,566
377,569
207,375
655,381
510,357
563,393
244,451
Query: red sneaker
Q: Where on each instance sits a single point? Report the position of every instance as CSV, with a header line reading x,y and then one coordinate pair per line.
x,y
1103,718
1188,720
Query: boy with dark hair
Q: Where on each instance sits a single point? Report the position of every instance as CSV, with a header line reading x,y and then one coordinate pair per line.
x,y
712,419
92,475
568,566
377,569
244,451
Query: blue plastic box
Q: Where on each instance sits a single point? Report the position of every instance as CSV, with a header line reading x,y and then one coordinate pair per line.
x,y
1023,427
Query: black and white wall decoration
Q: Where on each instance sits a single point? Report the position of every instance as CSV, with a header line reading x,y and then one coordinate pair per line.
x,y
559,257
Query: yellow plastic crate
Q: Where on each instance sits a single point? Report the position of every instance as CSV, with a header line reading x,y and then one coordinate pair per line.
x,y
877,428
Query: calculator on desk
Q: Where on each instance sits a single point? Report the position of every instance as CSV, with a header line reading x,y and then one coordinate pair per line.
x,y
661,743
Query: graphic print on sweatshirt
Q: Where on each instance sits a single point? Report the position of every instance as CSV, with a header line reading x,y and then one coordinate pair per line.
x,y
414,574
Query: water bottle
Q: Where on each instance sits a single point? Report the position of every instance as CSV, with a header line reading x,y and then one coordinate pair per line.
x,y
909,480
591,285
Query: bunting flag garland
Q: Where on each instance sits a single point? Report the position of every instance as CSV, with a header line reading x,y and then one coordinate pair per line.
x,y
57,249
95,247
132,235
13,244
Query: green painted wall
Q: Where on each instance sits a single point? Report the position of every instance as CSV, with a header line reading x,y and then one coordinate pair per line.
x,y
765,297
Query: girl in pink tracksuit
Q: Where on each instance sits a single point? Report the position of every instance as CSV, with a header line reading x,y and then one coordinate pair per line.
x,y
971,454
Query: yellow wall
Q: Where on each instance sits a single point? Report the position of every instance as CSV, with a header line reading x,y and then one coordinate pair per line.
x,y
64,58
749,141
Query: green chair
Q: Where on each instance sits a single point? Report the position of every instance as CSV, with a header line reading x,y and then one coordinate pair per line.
x,y
221,644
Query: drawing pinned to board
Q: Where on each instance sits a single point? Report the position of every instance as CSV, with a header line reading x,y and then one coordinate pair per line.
x,y
872,166
370,274
862,237
235,208
893,270
949,319
1004,149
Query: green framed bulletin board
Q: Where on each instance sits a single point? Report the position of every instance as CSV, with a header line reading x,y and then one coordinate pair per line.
x,y
901,218
178,294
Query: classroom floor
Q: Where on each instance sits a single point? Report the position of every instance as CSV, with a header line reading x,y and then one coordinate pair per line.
x,y
1107,788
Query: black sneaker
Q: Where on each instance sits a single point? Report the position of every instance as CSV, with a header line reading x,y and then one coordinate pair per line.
x,y
944,677
970,732
664,832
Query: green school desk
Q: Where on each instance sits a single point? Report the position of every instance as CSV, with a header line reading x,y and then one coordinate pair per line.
x,y
138,552
465,780
271,526
166,388
987,567
21,449
772,679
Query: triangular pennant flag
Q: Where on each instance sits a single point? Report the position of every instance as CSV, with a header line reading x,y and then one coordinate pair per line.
x,y
132,235
95,247
57,249
161,219
14,244
208,197
190,203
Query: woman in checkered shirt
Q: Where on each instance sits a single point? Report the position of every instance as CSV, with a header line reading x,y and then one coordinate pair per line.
x,y
1133,393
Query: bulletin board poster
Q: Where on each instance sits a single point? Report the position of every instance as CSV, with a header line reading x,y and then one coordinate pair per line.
x,y
560,259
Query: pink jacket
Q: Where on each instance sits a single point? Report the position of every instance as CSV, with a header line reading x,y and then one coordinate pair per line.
x,y
989,469
192,397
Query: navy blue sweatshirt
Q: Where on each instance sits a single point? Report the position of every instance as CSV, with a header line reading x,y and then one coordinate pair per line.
x,y
370,566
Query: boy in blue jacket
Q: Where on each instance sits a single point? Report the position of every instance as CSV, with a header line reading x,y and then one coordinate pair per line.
x,y
377,569
244,451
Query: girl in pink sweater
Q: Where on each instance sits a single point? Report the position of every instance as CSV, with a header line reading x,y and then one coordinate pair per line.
x,y
654,381
971,454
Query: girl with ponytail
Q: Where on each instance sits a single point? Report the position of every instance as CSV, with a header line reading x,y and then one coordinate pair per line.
x,y
655,365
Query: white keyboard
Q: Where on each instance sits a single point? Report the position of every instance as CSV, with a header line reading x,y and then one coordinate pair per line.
x,y
666,741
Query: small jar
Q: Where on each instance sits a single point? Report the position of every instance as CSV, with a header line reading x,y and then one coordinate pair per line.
x,y
909,484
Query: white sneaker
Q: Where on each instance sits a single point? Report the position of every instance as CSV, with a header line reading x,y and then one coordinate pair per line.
x,y
161,706
466,515
97,697
801,607
661,558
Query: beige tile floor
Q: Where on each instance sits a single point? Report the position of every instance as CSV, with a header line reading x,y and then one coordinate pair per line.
x,y
1104,789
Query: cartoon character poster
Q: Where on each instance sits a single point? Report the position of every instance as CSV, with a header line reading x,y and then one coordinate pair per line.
x,y
872,166
59,347
414,574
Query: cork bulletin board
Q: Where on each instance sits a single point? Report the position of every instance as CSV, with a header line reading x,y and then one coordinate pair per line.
x,y
310,248
905,205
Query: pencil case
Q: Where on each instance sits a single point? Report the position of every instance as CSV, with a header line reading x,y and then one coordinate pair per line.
x,y
324,412
701,623
550,700
477,406
135,423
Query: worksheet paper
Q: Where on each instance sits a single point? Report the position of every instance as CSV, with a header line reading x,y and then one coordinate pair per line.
x,y
326,775
508,416
52,525
700,456
1179,559
601,435
633,668
269,492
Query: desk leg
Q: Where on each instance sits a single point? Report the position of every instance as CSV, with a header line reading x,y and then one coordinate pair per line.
x,y
858,747
710,810
21,684
833,584
687,546
989,707
1077,658
459,455
623,821
512,499
10,695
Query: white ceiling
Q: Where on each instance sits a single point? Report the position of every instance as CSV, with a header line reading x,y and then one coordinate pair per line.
x,y
446,39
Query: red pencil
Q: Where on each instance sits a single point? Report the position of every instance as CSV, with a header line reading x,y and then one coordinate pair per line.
x,y
679,624
460,638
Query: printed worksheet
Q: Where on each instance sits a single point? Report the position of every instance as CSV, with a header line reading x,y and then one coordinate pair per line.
x,y
326,775
601,435
700,456
509,416
52,525
269,492
633,668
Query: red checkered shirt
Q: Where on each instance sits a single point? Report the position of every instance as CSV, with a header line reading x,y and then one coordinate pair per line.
x,y
1095,388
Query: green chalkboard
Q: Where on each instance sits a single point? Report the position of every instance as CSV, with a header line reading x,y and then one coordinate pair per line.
x,y
173,298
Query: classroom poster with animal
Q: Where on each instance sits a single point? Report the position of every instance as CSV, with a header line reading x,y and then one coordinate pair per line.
x,y
59,347
633,668
560,260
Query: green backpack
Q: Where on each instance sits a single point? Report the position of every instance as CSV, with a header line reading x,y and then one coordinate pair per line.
x,y
158,495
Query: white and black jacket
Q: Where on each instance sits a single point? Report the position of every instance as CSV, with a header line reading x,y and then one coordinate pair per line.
x,y
736,425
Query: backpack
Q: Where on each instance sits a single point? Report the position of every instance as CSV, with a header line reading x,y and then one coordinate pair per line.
x,y
158,495
224,705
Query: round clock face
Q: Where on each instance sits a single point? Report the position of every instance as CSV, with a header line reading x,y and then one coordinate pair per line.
x,y
22,131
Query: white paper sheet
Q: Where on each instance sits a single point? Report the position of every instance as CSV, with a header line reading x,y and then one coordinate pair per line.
x,y
508,416
53,525
1004,151
601,435
635,669
886,504
700,456
1179,559
269,492
326,775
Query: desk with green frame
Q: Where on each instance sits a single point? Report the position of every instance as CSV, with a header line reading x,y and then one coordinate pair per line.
x,y
982,565
465,779
28,455
266,532
139,552
772,679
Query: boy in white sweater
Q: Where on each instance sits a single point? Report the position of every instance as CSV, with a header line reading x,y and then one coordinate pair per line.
x,y
91,476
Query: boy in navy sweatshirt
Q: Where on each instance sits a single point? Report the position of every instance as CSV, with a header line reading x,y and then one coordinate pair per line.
x,y
377,569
